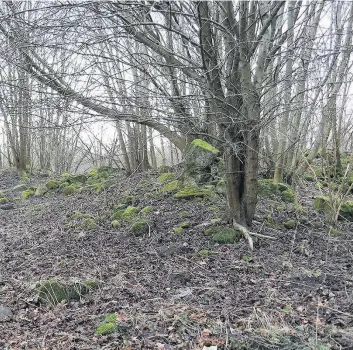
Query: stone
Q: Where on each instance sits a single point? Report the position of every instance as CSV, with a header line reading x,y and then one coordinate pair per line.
x,y
41,191
19,188
5,312
200,161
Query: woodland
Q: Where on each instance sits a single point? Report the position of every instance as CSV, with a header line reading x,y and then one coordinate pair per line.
x,y
176,175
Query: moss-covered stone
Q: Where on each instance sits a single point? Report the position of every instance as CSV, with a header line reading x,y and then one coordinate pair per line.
x,y
140,228
3,200
68,190
52,292
178,230
166,177
129,213
171,187
116,224
184,214
290,224
204,145
185,224
193,192
52,184
80,178
27,193
41,191
226,235
322,203
267,188
146,210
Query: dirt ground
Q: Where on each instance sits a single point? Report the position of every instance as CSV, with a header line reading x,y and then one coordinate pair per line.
x,y
291,292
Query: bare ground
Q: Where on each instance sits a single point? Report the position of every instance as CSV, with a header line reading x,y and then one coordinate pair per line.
x,y
295,292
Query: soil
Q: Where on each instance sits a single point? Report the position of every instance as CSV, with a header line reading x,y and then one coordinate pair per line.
x,y
291,292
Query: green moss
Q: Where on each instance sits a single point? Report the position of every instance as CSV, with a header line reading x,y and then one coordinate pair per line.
x,y
52,184
171,186
52,292
118,215
165,169
290,224
140,228
68,190
166,177
146,210
116,223
273,223
204,145
106,328
322,203
185,224
267,188
225,235
193,192
80,178
27,193
77,215
129,213
91,284
110,318
3,200
178,230
88,224
184,214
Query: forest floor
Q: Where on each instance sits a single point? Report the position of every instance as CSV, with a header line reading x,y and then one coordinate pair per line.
x,y
294,292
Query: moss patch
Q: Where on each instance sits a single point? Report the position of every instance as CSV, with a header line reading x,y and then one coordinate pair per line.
x,y
204,145
267,188
178,230
3,200
41,191
68,190
346,210
52,184
140,228
193,192
115,224
226,235
166,177
171,186
184,214
146,210
223,235
290,224
27,193
108,326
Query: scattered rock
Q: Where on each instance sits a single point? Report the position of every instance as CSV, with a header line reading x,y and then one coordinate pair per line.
x,y
5,312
